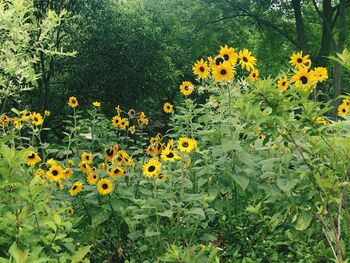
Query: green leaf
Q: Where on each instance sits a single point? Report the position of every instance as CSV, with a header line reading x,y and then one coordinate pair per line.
x,y
151,233
80,254
303,221
241,180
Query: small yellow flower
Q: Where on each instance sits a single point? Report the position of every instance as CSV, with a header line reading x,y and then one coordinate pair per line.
x,y
96,104
76,188
132,130
37,119
282,83
343,110
186,88
47,113
104,186
168,108
33,158
73,102
186,144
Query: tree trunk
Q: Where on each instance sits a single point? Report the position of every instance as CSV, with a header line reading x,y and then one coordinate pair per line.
x,y
339,49
300,28
326,39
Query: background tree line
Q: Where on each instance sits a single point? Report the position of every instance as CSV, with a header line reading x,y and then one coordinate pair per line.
x,y
135,53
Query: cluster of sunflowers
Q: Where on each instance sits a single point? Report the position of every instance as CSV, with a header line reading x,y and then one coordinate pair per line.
x,y
344,108
24,117
124,122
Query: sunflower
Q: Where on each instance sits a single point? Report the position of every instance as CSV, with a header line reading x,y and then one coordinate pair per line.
x,y
123,123
320,73
254,75
223,72
72,102
322,121
304,79
84,167
25,115
168,108
55,173
201,69
104,186
186,144
116,120
96,104
76,188
169,155
47,113
343,110
261,136
186,88
109,153
33,158
70,211
217,61
246,59
229,54
86,157
162,177
92,178
132,129
300,61
131,113
152,168
116,172
282,83
39,173
37,119
67,173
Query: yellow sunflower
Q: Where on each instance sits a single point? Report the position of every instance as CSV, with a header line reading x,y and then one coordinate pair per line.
x,y
86,157
303,78
67,173
229,54
109,153
217,61
37,119
104,186
116,172
282,83
201,69
72,102
92,178
246,59
169,155
70,211
39,173
55,173
47,113
254,75
186,88
124,123
299,61
152,168
132,129
186,144
223,72
320,73
33,158
343,110
96,104
116,120
162,177
76,188
25,115
168,108
84,167
322,121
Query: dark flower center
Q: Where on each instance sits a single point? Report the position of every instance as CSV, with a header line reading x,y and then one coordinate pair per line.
x,y
105,186
186,88
226,57
299,60
201,69
185,144
94,176
152,168
116,171
54,172
284,83
32,156
245,59
218,61
109,152
74,187
223,72
343,110
170,155
304,80
87,157
254,75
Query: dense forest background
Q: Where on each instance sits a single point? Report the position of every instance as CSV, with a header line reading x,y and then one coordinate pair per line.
x,y
122,52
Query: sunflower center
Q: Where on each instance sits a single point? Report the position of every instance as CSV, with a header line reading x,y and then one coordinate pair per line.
x,y
283,83
201,69
152,168
226,57
32,156
223,72
185,144
94,176
74,187
245,59
105,186
218,61
170,155
116,171
254,75
299,60
35,119
87,157
186,88
54,172
304,80
73,101
343,110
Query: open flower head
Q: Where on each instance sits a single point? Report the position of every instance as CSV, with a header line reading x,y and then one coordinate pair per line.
x,y
104,186
76,188
201,69
167,107
247,60
73,102
186,88
152,168
33,158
